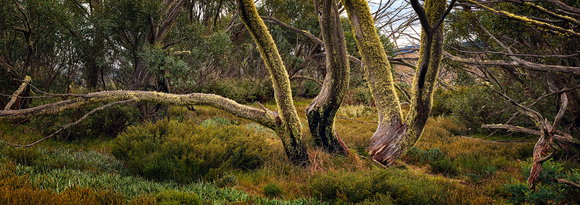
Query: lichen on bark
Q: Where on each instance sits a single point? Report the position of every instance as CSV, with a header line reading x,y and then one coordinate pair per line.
x,y
289,127
394,136
322,110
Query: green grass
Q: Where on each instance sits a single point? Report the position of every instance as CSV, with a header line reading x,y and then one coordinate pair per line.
x,y
480,167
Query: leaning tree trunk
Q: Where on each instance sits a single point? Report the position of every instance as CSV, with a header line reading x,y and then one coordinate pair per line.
x,y
289,127
322,110
393,136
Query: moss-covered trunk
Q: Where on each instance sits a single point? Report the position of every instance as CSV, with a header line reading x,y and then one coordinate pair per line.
x,y
289,127
322,110
430,55
393,136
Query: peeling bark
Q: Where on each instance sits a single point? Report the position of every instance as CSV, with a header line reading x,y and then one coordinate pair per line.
x,y
394,136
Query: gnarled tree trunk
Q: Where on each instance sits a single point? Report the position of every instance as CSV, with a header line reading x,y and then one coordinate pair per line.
x,y
393,135
289,128
322,110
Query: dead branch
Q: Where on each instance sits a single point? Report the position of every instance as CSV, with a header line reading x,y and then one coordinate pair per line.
x,y
18,92
74,123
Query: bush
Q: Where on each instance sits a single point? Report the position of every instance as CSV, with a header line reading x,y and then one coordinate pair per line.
x,y
185,151
49,159
359,96
391,186
437,160
272,190
104,123
547,190
173,197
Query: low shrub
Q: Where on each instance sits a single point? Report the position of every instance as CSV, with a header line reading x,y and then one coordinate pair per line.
x,y
437,160
18,190
272,190
174,197
186,151
104,123
390,186
359,96
46,159
547,191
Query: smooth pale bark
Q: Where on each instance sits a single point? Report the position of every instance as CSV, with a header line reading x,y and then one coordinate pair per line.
x,y
322,110
394,136
290,128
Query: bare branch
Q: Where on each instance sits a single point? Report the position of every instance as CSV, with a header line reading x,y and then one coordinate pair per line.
x,y
569,183
248,112
19,91
444,15
526,19
422,16
74,123
515,54
308,78
511,128
301,32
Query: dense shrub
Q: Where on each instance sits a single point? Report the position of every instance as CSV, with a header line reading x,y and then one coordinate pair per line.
x,y
47,159
186,151
474,106
272,190
391,185
359,96
437,160
107,122
173,197
547,190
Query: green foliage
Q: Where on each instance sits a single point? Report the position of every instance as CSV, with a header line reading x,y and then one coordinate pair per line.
x,y
391,186
272,190
547,190
103,123
47,159
438,162
440,101
359,96
185,151
167,66
24,156
478,167
174,197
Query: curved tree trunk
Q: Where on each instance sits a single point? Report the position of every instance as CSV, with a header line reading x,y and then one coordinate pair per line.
x,y
289,128
322,110
393,136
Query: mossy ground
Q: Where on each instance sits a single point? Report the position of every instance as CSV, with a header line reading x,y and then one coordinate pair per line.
x,y
480,168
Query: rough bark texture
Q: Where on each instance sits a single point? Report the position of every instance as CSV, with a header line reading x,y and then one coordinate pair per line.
x,y
260,115
393,137
380,81
289,123
430,55
23,90
322,110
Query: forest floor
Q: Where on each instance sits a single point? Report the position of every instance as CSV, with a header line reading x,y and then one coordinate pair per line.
x,y
446,166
